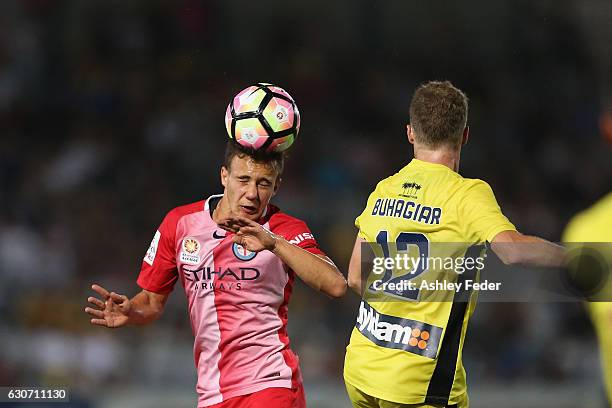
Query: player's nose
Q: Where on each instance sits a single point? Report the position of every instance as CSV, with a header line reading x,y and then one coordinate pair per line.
x,y
251,192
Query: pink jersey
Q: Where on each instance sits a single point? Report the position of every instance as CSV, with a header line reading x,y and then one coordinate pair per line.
x,y
237,299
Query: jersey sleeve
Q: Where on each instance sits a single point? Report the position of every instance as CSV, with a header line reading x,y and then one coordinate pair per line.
x,y
358,224
482,218
158,272
297,232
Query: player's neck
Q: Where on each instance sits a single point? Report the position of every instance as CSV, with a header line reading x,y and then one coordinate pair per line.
x,y
222,210
445,157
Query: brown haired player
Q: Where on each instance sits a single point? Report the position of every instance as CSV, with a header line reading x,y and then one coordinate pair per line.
x,y
405,351
237,284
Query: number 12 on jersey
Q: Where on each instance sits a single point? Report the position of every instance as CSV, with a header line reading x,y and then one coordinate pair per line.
x,y
413,266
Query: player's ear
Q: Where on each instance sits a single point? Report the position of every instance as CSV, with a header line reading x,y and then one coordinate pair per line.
x,y
605,125
224,176
410,133
466,135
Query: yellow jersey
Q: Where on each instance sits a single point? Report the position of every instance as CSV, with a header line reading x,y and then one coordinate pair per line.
x,y
595,225
405,348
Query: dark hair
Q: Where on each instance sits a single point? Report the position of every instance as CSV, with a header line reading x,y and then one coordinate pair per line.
x,y
438,114
274,159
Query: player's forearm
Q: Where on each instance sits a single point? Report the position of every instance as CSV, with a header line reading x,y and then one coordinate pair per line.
x,y
316,272
529,251
144,309
354,270
354,274
543,253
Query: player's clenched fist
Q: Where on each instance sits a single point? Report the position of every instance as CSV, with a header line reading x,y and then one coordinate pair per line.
x,y
112,311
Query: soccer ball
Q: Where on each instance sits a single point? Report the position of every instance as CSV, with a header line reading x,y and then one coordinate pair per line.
x,y
263,117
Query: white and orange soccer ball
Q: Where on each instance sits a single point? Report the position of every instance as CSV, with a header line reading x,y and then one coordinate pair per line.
x,y
263,117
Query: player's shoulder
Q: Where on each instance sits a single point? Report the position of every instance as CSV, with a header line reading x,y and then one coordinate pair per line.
x,y
187,209
292,229
583,225
279,220
473,193
389,182
577,227
602,206
474,185
175,214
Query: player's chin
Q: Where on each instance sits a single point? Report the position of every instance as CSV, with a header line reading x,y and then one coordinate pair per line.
x,y
249,212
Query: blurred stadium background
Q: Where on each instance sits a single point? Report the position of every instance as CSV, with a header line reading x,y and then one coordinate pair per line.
x,y
111,113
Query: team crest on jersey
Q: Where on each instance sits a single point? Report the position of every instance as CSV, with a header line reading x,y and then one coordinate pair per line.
x,y
189,251
410,189
242,253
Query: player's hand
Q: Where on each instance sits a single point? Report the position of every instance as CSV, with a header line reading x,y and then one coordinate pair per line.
x,y
112,311
249,234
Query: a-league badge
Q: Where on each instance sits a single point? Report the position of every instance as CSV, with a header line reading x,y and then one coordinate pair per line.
x,y
242,253
190,249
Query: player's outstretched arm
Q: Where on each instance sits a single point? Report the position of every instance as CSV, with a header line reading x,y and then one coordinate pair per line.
x,y
354,271
318,272
514,248
114,310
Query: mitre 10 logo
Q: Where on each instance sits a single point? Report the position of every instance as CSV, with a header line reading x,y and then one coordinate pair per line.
x,y
220,278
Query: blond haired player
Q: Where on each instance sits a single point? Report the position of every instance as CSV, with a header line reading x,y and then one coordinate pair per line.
x,y
407,353
595,225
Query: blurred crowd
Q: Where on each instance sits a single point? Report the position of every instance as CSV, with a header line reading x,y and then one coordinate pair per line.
x,y
111,113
